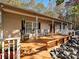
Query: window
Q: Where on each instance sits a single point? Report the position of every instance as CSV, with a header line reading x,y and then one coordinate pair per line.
x,y
28,27
38,26
77,33
64,26
34,26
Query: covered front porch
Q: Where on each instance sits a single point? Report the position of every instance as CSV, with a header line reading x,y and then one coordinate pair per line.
x,y
30,24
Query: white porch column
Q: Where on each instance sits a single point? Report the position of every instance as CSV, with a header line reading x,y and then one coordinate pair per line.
x,y
62,27
53,27
67,29
1,25
1,31
36,27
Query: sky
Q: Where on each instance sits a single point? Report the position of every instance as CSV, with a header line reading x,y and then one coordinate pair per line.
x,y
46,2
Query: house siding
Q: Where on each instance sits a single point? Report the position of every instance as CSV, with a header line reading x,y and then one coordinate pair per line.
x,y
12,23
45,25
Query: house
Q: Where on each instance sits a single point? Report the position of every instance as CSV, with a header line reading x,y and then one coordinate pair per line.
x,y
16,20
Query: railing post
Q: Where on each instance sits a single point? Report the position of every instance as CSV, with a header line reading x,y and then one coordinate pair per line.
x,y
14,49
8,49
18,48
2,49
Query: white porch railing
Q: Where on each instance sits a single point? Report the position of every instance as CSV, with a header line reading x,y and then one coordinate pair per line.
x,y
15,55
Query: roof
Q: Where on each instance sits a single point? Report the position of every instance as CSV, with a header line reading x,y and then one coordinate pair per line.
x,y
6,7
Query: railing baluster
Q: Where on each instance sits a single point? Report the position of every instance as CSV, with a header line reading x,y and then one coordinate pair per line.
x,y
18,48
8,49
13,49
2,49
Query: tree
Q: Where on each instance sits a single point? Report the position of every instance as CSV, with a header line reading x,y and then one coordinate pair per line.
x,y
74,14
19,3
39,7
59,2
12,2
49,13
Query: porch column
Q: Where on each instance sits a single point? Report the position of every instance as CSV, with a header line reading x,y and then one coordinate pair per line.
x,y
36,32
53,27
1,24
1,31
67,30
62,27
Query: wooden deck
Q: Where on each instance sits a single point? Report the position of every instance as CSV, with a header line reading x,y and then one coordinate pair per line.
x,y
39,49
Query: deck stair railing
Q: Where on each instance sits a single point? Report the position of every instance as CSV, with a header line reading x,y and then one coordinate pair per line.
x,y
15,44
